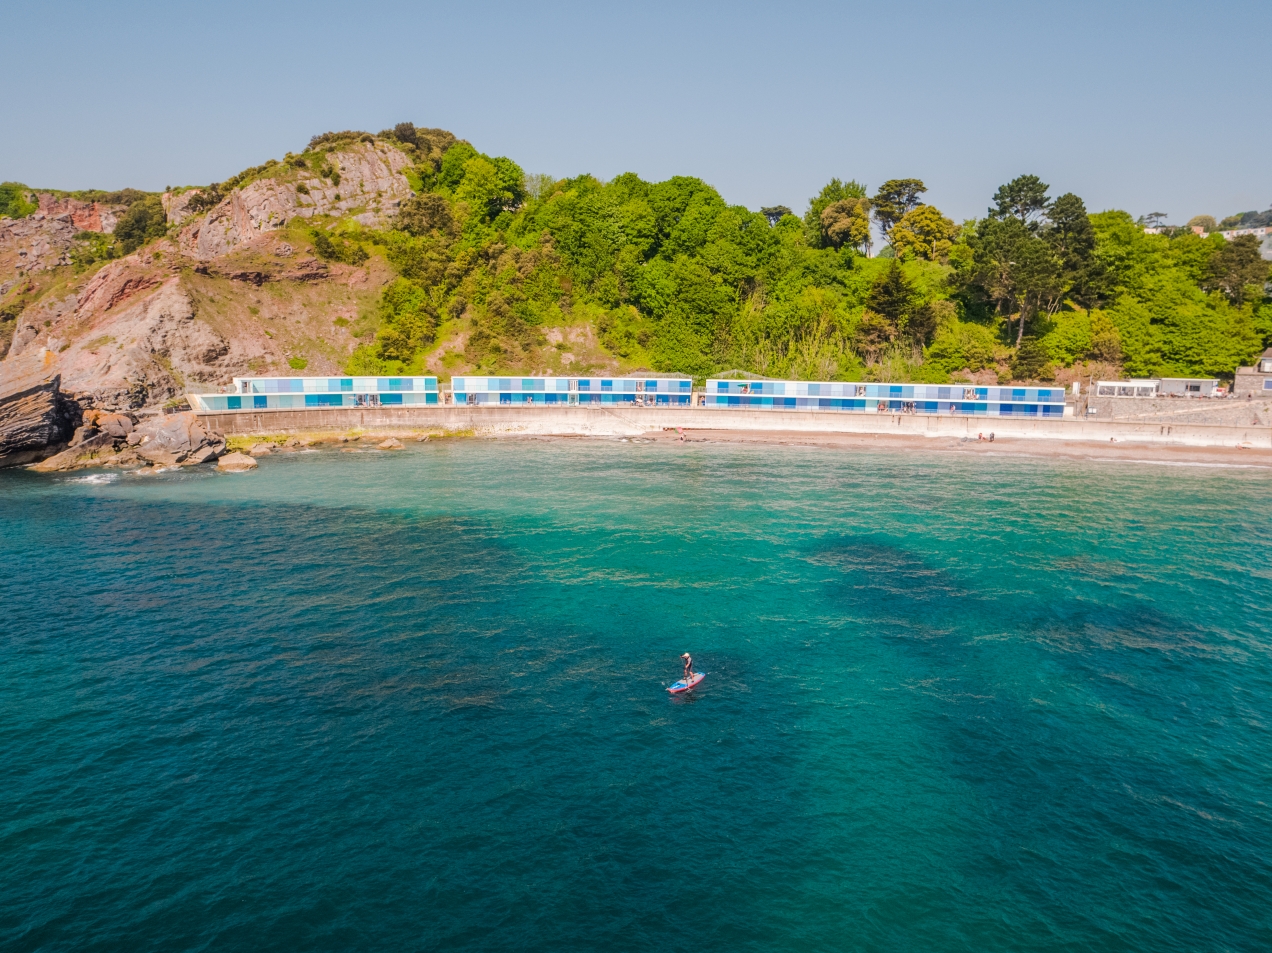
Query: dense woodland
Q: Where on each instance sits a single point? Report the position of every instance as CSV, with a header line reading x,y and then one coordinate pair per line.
x,y
674,279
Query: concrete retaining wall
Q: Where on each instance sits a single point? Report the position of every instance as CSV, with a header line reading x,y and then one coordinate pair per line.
x,y
587,421
1204,411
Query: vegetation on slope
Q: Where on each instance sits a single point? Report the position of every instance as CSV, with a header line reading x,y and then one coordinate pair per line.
x,y
492,264
675,279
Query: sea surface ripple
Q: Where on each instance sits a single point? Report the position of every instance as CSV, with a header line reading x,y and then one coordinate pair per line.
x,y
416,701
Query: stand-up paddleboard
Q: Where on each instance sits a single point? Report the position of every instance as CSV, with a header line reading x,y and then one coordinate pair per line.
x,y
684,686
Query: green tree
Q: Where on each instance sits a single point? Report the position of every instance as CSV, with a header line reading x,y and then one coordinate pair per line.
x,y
895,311
408,322
834,191
1031,361
962,345
539,186
1236,267
1016,270
1023,198
1106,341
405,132
490,186
775,213
1206,223
453,165
895,198
846,222
925,233
1072,237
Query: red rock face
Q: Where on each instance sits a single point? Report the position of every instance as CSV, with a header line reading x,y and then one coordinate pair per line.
x,y
85,216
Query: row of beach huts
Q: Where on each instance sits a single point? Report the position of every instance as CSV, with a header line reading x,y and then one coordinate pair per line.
x,y
316,393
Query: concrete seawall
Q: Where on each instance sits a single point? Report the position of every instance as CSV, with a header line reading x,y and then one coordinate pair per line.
x,y
1198,412
597,422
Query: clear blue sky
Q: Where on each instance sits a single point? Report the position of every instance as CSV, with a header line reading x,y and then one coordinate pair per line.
x,y
1147,106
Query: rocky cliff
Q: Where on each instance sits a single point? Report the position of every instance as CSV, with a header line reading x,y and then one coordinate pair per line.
x,y
33,417
234,288
367,181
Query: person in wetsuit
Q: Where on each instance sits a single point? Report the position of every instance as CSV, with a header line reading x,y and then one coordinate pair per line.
x,y
688,665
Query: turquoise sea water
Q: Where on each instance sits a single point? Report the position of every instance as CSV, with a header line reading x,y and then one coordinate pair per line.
x,y
416,701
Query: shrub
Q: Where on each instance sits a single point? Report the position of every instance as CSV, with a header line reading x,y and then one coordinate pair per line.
x,y
1106,342
424,213
405,132
962,345
205,199
408,321
338,138
90,248
144,221
334,248
297,363
120,197
363,361
15,201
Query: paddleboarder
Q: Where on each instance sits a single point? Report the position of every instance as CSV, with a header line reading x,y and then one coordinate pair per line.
x,y
691,678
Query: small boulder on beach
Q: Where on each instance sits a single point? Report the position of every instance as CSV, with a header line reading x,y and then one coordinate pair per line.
x,y
392,443
236,463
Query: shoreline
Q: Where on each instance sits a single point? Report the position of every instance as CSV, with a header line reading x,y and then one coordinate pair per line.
x,y
1141,453
1129,452
627,422
323,431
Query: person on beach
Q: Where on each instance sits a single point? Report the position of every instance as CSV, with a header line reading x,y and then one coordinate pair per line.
x,y
688,665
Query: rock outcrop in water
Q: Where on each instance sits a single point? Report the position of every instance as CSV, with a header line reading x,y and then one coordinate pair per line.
x,y
176,440
39,424
236,463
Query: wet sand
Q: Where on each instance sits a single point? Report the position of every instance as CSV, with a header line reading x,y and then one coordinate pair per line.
x,y
1125,452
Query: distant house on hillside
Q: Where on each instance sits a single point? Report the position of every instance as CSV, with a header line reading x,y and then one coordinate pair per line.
x,y
1255,381
1262,232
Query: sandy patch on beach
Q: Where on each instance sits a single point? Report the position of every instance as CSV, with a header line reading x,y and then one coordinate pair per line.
x,y
1001,446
